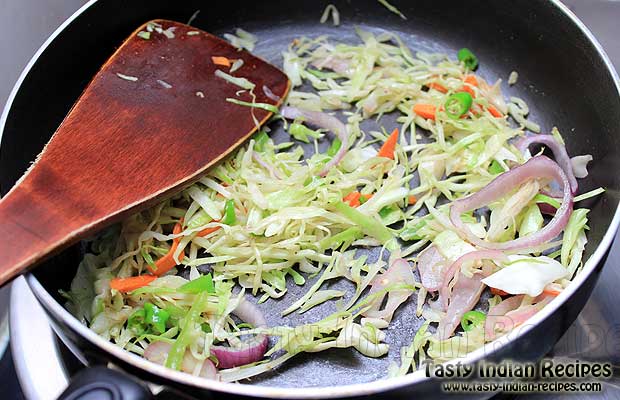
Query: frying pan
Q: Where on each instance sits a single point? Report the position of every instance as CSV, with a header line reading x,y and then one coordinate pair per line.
x,y
565,77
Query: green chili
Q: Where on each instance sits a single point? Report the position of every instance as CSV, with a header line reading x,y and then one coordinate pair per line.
x,y
543,198
495,168
458,104
156,317
135,322
471,319
468,58
385,211
229,213
334,147
199,285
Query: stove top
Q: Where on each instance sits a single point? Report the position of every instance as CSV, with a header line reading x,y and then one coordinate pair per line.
x,y
25,24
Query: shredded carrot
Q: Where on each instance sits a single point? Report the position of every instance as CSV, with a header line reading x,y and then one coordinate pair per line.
x,y
469,90
130,284
388,148
551,292
471,79
499,292
495,112
552,289
425,110
437,86
412,199
207,231
353,199
223,61
167,262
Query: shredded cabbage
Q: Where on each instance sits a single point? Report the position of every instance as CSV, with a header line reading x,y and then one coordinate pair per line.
x,y
263,219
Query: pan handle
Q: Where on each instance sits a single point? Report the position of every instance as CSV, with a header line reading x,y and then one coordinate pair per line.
x,y
106,384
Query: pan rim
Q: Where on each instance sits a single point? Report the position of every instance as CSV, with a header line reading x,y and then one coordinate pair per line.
x,y
324,392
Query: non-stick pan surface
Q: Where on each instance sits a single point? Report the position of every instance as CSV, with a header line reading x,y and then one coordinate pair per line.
x,y
562,75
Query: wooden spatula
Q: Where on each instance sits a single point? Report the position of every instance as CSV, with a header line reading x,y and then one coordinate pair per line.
x,y
152,120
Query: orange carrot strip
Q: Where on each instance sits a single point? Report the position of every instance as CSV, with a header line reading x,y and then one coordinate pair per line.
x,y
471,79
353,199
167,262
425,110
388,148
207,231
130,284
499,292
469,90
437,86
495,112
412,199
223,61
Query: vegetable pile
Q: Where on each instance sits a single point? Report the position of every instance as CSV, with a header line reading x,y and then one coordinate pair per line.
x,y
452,196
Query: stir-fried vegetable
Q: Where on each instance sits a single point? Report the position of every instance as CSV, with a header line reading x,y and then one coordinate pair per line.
x,y
454,181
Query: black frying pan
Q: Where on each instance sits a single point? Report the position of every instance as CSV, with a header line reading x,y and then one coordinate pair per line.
x,y
564,76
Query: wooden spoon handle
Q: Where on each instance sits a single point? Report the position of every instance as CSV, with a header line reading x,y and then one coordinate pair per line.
x,y
28,232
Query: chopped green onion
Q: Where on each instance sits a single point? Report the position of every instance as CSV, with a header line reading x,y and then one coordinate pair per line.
x,y
156,317
199,285
458,104
543,198
230,217
334,147
144,35
472,319
467,58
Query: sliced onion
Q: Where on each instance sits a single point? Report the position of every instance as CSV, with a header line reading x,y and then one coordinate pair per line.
x,y
580,165
456,265
514,317
431,265
535,168
270,94
157,352
324,121
498,311
465,296
335,64
559,152
250,351
398,272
